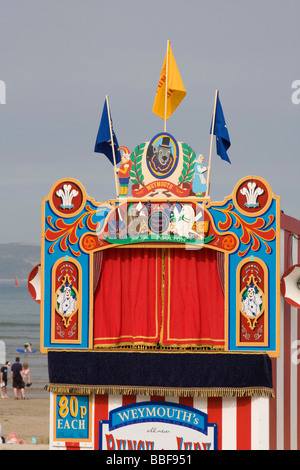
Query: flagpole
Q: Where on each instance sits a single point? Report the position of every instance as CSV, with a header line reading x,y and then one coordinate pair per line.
x,y
211,142
166,92
113,147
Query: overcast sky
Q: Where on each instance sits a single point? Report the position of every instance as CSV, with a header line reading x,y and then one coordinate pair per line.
x,y
59,58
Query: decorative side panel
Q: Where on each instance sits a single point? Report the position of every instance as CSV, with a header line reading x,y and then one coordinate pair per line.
x,y
67,271
252,213
66,317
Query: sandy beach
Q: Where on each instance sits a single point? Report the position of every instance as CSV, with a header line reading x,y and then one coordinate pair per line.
x,y
29,419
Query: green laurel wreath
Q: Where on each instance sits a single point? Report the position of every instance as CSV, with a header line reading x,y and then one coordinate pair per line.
x,y
136,173
188,166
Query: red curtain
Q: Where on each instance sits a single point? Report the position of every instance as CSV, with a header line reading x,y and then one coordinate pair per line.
x,y
194,299
169,296
127,301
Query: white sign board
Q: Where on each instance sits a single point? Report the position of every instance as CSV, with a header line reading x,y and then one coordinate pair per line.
x,y
157,426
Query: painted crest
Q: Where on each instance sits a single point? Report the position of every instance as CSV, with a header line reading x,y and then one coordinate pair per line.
x,y
162,156
67,198
67,194
162,168
251,191
253,196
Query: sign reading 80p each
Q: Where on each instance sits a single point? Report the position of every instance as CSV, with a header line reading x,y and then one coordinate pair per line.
x,y
72,418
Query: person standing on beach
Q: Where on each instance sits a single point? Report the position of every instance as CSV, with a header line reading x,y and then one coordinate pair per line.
x,y
3,380
26,375
17,379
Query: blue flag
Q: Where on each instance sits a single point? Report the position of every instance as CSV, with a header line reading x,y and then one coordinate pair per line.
x,y
104,142
221,132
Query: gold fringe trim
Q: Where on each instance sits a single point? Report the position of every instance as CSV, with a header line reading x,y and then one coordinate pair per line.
x,y
160,391
99,350
159,347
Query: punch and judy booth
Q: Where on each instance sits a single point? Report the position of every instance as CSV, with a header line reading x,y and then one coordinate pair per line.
x,y
160,309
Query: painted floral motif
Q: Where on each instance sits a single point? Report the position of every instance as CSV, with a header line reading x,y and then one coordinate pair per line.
x,y
67,233
253,234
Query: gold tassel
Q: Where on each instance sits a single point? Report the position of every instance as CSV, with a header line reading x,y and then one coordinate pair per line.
x,y
159,347
159,391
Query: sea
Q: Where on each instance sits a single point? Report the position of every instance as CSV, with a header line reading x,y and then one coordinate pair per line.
x,y
20,323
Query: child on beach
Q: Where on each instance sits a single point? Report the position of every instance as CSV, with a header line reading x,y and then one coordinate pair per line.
x,y
3,380
26,374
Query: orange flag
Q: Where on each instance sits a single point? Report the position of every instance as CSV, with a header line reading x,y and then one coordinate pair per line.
x,y
175,88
